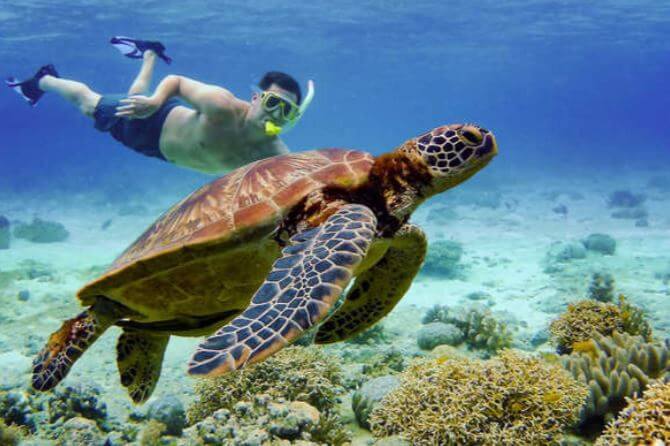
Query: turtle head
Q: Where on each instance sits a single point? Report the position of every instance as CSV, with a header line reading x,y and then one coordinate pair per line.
x,y
453,153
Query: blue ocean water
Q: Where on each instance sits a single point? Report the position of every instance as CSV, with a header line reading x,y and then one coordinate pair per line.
x,y
565,83
576,93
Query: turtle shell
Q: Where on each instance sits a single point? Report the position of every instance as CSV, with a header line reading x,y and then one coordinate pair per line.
x,y
211,250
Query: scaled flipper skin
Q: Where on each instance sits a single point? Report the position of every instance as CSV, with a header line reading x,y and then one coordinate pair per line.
x,y
139,357
302,286
376,291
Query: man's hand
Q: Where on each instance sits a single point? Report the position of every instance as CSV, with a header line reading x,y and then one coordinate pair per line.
x,y
138,107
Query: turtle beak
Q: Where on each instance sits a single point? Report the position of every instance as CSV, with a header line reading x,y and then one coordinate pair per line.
x,y
489,148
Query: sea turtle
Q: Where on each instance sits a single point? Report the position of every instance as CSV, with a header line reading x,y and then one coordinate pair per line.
x,y
263,253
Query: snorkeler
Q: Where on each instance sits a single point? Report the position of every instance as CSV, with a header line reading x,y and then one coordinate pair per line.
x,y
217,133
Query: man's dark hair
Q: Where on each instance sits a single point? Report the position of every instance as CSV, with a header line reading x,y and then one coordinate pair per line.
x,y
283,81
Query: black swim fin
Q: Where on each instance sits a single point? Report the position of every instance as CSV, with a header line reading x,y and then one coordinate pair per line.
x,y
29,89
135,48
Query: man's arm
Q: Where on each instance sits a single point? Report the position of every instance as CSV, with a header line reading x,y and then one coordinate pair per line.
x,y
210,100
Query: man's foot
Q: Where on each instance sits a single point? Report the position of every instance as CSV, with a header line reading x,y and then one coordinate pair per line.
x,y
135,48
30,89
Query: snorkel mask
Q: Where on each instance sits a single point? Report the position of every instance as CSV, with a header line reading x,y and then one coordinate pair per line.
x,y
290,112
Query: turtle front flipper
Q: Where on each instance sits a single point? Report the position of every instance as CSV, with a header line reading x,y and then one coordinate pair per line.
x,y
376,291
67,344
299,291
139,357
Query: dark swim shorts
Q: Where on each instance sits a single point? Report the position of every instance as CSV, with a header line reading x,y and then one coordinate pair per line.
x,y
141,135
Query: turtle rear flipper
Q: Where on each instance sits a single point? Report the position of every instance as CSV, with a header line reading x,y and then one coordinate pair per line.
x,y
69,342
299,291
139,356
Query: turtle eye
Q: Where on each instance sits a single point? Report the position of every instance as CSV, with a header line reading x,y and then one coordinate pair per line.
x,y
472,135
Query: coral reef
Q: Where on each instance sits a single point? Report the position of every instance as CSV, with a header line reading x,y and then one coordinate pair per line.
x,y
41,231
628,205
560,253
294,374
369,395
587,317
76,400
388,362
9,435
480,330
79,430
16,409
614,368
600,243
631,214
443,259
170,412
581,321
263,421
4,232
371,336
601,287
625,199
511,399
643,421
438,333
634,320
151,433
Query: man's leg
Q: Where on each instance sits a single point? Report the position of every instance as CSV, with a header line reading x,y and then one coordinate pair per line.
x,y
142,82
75,92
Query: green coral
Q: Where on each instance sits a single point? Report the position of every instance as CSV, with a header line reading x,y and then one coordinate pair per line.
x,y
643,421
481,330
510,399
293,374
151,433
614,368
10,435
436,313
634,320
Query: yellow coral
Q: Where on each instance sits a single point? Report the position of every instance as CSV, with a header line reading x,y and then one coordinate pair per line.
x,y
644,421
582,320
510,399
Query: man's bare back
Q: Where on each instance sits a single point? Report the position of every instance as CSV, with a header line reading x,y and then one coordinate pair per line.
x,y
214,133
193,140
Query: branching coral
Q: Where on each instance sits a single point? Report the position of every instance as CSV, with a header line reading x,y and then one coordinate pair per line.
x,y
644,421
481,330
614,368
585,318
293,374
511,399
634,321
484,332
582,320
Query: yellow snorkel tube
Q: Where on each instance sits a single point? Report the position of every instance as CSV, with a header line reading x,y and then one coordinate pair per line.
x,y
272,129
